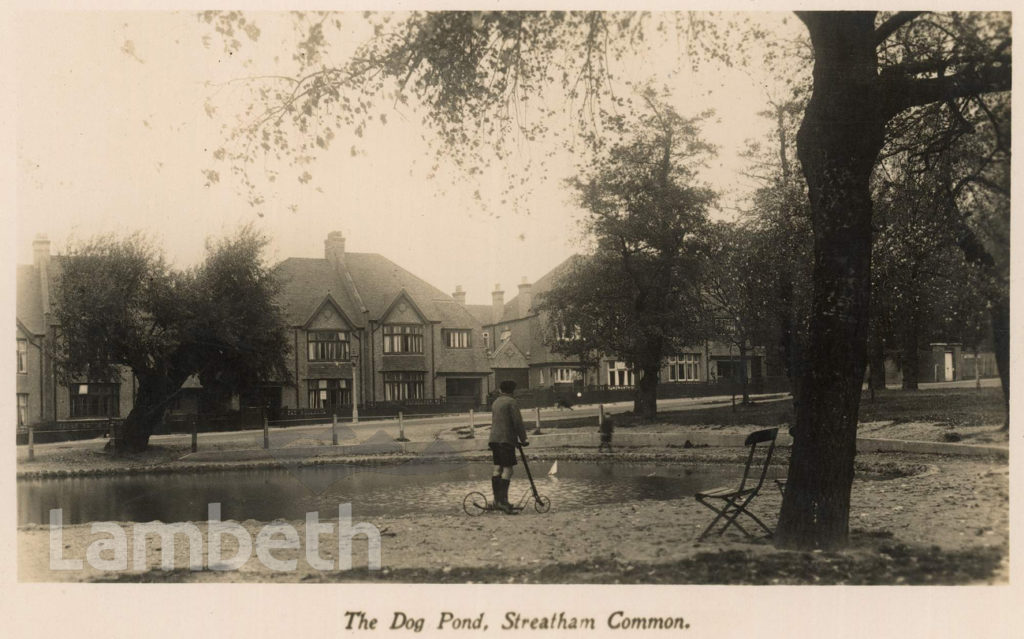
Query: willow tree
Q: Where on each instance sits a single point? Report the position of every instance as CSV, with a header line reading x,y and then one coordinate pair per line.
x,y
120,307
474,74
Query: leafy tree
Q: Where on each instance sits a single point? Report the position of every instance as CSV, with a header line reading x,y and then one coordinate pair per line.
x,y
638,296
738,292
474,72
121,306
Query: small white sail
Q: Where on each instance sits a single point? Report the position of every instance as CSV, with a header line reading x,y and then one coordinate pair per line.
x,y
554,468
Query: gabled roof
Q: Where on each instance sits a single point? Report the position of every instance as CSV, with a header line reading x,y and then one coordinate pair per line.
x,y
542,285
329,301
481,312
306,283
508,355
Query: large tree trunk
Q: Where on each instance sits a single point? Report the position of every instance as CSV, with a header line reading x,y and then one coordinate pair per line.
x,y
1000,314
911,360
838,143
645,403
151,400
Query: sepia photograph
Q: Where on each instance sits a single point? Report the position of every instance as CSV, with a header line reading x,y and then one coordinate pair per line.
x,y
468,312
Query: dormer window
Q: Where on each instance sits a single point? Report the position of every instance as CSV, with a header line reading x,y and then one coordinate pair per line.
x,y
403,338
327,346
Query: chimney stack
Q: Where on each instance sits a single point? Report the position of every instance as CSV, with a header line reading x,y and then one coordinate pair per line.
x,y
41,251
497,304
334,248
525,298
459,295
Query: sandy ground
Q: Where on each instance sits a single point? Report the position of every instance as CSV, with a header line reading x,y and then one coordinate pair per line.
x,y
940,523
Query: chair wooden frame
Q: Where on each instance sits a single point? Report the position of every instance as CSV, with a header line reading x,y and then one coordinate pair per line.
x,y
736,501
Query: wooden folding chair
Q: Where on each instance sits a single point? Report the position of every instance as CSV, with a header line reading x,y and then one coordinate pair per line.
x,y
730,503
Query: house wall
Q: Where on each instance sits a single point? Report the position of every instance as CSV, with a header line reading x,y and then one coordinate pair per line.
x,y
33,381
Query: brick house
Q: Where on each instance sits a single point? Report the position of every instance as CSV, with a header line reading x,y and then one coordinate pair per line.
x,y
41,397
516,332
365,329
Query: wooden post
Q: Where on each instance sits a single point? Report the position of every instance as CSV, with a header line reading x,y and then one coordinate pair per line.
x,y
355,389
195,433
977,370
536,431
31,443
472,424
334,430
600,414
401,427
266,434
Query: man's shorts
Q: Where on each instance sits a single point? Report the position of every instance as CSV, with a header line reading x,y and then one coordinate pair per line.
x,y
504,455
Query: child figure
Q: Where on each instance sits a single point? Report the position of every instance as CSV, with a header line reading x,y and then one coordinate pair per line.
x,y
606,430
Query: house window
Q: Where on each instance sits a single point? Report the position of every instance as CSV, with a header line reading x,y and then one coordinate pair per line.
x,y
540,376
684,368
327,346
22,409
403,338
400,386
457,338
94,400
564,375
23,355
328,393
566,333
619,374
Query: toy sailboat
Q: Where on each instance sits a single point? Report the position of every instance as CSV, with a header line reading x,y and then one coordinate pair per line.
x,y
554,469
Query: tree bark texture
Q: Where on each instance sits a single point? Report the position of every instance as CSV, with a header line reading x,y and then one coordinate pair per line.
x,y
646,403
151,400
838,143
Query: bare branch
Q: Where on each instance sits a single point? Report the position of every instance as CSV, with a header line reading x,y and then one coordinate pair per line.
x,y
893,24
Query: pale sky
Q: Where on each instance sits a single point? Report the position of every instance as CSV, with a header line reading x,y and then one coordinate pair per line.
x,y
113,135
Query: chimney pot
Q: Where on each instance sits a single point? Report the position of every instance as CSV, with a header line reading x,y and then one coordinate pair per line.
x,y
459,295
497,304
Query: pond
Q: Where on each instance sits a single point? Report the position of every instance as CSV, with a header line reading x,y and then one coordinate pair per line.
x,y
409,488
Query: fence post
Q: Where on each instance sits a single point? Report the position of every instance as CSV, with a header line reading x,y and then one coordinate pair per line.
x,y
536,431
401,427
195,433
31,443
266,434
600,414
334,429
472,425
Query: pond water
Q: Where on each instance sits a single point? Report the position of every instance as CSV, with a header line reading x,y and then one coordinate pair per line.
x,y
289,493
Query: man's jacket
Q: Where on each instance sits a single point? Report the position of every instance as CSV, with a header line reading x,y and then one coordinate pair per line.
x,y
506,421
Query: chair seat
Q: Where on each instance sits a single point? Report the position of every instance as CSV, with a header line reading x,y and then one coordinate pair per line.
x,y
725,491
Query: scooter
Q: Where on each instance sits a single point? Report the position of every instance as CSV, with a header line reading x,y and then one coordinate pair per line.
x,y
475,503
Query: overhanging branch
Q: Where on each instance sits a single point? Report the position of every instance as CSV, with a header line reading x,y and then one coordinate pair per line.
x,y
893,24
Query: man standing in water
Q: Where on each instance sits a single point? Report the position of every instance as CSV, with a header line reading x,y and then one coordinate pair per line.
x,y
506,431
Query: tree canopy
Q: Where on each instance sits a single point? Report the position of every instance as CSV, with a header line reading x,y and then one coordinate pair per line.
x,y
121,306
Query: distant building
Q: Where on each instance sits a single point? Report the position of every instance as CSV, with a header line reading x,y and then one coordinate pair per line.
x,y
516,336
365,329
